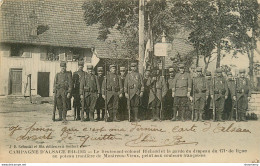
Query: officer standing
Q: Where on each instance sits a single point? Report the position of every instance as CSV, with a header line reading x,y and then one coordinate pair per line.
x,y
230,102
181,88
62,90
243,94
122,100
158,90
112,87
75,91
100,105
200,94
89,90
208,107
134,89
145,98
169,98
219,93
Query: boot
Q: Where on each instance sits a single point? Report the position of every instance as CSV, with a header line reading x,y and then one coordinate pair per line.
x,y
200,117
82,115
103,114
196,116
136,115
220,118
114,117
98,115
174,115
60,115
91,116
243,117
182,115
153,112
64,114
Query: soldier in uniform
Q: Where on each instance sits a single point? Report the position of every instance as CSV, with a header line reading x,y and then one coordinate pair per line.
x,y
89,90
168,97
145,98
181,88
122,100
219,93
230,102
200,94
100,105
134,88
243,94
62,90
112,87
158,90
75,91
208,107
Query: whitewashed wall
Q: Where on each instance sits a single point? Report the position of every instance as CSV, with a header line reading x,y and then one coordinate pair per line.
x,y
31,66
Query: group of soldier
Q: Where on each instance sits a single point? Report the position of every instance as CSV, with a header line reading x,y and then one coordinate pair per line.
x,y
130,96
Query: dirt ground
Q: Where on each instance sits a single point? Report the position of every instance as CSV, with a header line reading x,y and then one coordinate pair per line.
x,y
29,135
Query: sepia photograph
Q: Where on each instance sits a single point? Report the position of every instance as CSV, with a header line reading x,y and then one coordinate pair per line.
x,y
130,81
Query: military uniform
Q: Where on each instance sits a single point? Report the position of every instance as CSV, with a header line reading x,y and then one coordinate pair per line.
x,y
100,104
219,93
62,88
230,102
201,91
158,90
208,107
243,93
144,114
181,88
89,89
75,91
168,97
122,100
112,87
133,86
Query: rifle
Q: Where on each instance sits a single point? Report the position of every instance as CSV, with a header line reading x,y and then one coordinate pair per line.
x,y
105,79
213,100
83,101
54,107
128,91
193,101
236,80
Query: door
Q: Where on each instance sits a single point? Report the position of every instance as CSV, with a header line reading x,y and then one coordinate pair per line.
x,y
16,81
43,87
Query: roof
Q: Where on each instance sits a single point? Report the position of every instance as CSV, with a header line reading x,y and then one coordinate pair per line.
x,y
65,22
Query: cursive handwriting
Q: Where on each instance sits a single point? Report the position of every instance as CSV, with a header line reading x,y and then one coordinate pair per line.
x,y
230,128
147,140
105,137
138,127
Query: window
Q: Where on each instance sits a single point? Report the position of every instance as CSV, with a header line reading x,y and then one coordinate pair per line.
x,y
21,51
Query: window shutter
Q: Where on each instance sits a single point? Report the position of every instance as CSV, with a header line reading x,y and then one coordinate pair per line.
x,y
43,56
62,57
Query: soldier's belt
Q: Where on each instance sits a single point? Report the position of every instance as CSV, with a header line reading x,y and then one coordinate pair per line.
x,y
200,91
181,87
220,92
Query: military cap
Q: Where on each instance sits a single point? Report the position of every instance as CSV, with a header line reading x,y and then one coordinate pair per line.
x,y
181,65
100,69
171,70
208,73
242,70
122,68
63,64
199,69
112,65
229,73
218,70
133,64
148,68
89,66
80,63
